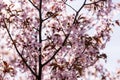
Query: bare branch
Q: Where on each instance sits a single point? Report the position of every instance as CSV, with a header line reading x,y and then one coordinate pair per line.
x,y
33,4
69,6
79,11
40,40
47,18
94,2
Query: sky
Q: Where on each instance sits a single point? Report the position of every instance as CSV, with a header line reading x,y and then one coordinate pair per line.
x,y
113,47
113,50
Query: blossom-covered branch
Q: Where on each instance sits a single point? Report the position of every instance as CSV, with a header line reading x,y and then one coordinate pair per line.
x,y
14,43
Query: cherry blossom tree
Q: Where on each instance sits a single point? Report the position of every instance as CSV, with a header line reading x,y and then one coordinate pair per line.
x,y
39,38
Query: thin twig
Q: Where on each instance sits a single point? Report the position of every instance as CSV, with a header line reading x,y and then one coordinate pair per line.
x,y
79,11
49,16
94,2
69,6
33,4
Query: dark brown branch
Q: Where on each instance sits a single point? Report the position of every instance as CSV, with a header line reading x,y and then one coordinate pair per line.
x,y
40,41
56,51
77,13
94,2
14,44
33,4
35,29
49,16
69,6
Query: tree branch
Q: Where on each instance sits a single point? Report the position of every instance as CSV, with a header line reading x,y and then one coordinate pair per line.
x,y
40,41
14,44
69,6
94,2
49,16
34,5
79,11
56,51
